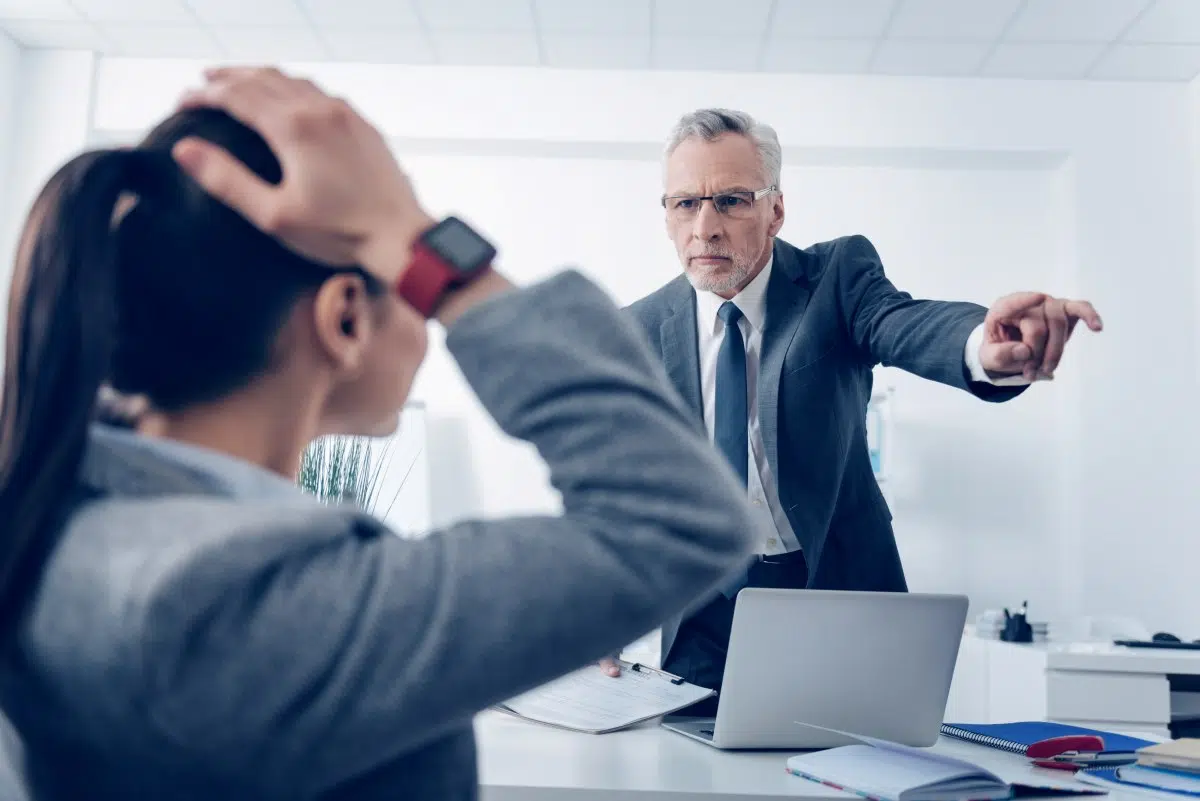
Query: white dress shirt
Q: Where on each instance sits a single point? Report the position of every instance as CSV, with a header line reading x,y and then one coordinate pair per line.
x,y
776,532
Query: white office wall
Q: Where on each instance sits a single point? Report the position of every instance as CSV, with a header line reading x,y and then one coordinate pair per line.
x,y
927,224
402,496
1139,505
10,63
45,116
1078,496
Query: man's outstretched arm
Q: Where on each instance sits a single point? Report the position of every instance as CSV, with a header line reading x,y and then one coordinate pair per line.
x,y
993,353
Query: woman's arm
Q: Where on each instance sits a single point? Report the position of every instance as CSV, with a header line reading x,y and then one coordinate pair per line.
x,y
313,666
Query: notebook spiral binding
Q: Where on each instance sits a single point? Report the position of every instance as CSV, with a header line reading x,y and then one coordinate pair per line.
x,y
982,739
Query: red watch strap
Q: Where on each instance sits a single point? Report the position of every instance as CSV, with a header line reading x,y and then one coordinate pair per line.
x,y
425,280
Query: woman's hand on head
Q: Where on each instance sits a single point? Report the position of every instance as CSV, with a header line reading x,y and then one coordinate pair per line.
x,y
343,198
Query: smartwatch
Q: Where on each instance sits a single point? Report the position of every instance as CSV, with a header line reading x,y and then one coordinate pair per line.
x,y
445,257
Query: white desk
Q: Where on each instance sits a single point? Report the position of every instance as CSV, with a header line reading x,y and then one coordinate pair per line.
x,y
528,762
522,761
1099,685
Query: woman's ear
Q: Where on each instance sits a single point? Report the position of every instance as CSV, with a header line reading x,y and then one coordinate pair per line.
x,y
342,322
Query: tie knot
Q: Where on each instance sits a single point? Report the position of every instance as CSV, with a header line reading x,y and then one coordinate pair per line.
x,y
729,313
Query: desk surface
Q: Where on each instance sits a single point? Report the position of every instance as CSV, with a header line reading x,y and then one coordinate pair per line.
x,y
522,760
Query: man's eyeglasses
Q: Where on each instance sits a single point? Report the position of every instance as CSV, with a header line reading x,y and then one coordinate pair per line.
x,y
731,204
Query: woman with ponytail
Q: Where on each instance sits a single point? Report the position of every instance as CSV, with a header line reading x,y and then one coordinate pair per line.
x,y
176,619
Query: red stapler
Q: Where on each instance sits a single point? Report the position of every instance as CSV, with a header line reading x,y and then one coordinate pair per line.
x,y
1059,752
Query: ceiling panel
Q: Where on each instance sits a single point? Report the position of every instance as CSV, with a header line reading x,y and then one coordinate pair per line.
x,y
248,12
1149,63
572,50
152,40
59,10
477,15
366,14
486,49
1050,39
830,56
44,34
952,19
851,19
708,53
1042,60
270,42
744,18
144,11
1074,20
1168,21
929,58
379,46
609,17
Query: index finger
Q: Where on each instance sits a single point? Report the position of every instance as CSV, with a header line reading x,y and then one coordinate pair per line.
x,y
1017,303
229,180
1083,310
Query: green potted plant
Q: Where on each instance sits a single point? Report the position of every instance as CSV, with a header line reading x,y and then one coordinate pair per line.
x,y
344,470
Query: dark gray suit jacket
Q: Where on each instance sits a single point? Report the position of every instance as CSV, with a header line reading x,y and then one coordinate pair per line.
x,y
832,315
204,631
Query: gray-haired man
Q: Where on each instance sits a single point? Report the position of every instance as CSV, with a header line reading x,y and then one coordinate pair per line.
x,y
773,347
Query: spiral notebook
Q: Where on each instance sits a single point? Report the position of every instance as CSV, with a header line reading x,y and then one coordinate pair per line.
x,y
1017,737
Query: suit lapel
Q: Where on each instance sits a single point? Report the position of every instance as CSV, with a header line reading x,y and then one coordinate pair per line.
x,y
787,297
681,353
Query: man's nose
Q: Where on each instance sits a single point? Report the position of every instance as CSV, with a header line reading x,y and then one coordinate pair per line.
x,y
708,224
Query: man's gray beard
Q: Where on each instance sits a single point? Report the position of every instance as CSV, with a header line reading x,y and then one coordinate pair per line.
x,y
731,279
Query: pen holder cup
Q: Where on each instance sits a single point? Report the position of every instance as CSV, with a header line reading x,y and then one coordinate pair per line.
x,y
1017,629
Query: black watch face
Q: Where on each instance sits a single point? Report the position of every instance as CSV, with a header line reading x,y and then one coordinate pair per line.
x,y
464,249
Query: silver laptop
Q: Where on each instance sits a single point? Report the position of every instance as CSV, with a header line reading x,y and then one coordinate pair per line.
x,y
875,664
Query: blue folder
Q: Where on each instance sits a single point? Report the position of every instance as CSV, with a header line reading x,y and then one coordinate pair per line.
x,y
1017,737
1167,781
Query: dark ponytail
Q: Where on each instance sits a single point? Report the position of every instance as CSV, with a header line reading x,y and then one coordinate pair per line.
x,y
178,303
60,341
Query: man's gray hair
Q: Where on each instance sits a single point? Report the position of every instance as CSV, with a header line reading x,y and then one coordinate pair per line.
x,y
710,123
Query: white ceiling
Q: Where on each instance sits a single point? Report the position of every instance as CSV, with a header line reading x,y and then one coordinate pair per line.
x,y
1154,40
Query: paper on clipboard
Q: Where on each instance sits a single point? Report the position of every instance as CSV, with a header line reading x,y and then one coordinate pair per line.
x,y
590,701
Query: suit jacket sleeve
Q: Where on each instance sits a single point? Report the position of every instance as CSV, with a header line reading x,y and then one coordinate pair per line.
x,y
890,327
325,661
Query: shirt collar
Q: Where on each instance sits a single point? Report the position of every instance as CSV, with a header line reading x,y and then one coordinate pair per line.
x,y
125,461
751,301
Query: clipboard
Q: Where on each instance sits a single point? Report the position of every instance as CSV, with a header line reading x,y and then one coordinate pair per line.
x,y
589,701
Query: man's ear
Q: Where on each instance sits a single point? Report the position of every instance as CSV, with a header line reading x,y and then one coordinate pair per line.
x,y
342,321
778,212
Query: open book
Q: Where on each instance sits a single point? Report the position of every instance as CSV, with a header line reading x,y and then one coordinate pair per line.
x,y
590,701
885,771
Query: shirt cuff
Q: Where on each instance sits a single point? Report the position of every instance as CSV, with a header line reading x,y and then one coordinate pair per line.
x,y
975,366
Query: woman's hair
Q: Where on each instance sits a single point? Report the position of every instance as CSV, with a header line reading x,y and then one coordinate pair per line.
x,y
178,300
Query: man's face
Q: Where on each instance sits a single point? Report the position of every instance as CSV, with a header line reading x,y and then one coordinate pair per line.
x,y
720,250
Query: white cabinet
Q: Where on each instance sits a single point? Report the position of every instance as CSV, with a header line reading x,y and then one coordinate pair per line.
x,y
1087,684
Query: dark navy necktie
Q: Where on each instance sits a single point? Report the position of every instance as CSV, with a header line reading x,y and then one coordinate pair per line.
x,y
730,417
